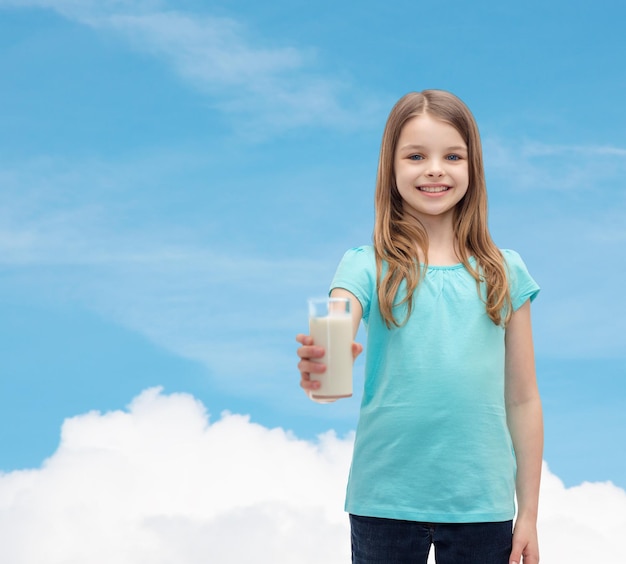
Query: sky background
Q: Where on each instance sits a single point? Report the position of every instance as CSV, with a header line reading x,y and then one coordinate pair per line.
x,y
176,179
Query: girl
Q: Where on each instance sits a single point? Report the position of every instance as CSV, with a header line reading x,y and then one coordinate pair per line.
x,y
450,427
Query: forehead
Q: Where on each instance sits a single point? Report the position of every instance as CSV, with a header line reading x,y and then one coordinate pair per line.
x,y
428,130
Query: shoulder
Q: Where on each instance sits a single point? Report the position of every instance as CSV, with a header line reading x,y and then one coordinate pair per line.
x,y
511,257
364,250
514,262
522,284
363,256
357,274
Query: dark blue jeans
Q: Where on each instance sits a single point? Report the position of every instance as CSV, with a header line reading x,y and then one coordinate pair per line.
x,y
389,541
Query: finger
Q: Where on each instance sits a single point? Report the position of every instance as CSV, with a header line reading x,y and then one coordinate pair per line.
x,y
307,367
304,339
309,385
310,351
357,349
516,555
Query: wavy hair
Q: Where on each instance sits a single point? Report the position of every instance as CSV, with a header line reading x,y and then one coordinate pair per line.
x,y
398,237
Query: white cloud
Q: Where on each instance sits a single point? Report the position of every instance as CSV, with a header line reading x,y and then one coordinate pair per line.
x,y
88,11
543,149
584,523
541,171
161,483
274,87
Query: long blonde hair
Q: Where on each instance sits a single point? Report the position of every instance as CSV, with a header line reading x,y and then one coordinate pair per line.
x,y
397,238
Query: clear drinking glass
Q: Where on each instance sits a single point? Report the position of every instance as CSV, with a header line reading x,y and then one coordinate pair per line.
x,y
330,325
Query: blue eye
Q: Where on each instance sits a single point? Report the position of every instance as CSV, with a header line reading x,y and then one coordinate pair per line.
x,y
453,158
416,157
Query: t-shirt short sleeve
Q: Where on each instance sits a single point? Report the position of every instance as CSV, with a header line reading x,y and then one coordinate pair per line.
x,y
357,274
523,286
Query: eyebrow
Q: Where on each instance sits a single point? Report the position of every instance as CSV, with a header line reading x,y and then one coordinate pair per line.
x,y
420,147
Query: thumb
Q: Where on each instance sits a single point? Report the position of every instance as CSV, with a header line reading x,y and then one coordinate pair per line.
x,y
516,554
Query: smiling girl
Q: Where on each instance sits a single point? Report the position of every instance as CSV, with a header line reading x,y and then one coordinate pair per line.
x,y
450,427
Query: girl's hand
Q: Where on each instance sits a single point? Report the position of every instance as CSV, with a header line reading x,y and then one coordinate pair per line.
x,y
525,543
308,351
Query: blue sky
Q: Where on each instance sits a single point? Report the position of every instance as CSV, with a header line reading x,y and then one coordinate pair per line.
x,y
176,179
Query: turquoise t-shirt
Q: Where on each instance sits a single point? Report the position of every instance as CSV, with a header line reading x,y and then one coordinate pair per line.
x,y
432,442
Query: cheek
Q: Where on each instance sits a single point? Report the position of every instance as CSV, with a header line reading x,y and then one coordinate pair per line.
x,y
403,174
466,194
463,177
466,172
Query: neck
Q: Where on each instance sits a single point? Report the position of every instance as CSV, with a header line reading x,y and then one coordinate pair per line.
x,y
442,250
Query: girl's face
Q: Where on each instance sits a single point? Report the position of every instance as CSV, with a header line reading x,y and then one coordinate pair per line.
x,y
431,168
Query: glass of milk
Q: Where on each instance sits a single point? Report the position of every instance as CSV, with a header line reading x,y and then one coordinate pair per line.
x,y
330,325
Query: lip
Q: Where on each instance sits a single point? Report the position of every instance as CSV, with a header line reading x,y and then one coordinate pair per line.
x,y
424,189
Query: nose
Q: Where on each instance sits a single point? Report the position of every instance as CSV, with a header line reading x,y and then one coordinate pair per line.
x,y
435,169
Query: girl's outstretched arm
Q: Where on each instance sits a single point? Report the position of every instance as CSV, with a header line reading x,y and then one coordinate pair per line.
x,y
525,421
308,351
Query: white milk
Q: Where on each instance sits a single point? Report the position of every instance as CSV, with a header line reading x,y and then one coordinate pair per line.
x,y
334,333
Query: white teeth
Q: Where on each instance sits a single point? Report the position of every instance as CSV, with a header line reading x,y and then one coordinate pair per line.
x,y
433,189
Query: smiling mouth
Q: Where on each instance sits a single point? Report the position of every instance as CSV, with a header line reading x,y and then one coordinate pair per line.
x,y
433,189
